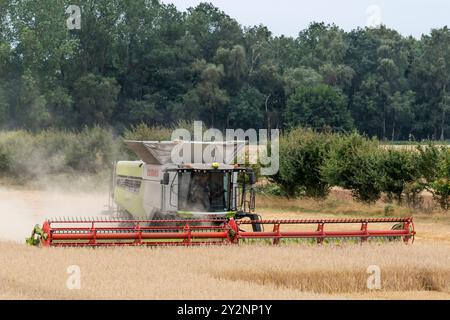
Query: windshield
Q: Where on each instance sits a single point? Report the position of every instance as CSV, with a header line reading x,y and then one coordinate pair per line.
x,y
203,191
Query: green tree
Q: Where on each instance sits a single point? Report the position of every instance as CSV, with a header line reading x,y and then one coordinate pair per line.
x,y
4,108
354,163
32,113
398,168
321,44
257,41
212,29
294,78
235,66
365,107
207,100
95,99
245,109
302,155
60,107
401,106
432,78
340,75
318,107
380,58
440,187
140,111
268,80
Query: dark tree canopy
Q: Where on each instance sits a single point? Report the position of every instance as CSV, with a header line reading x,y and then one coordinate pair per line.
x,y
145,61
318,107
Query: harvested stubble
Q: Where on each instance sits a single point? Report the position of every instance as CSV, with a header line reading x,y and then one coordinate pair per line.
x,y
245,272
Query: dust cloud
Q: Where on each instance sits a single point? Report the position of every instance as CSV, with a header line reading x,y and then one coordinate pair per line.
x,y
21,209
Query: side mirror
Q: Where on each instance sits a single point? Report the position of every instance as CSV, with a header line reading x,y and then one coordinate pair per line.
x,y
252,178
165,179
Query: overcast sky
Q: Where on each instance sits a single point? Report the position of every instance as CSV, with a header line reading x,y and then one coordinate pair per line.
x,y
409,17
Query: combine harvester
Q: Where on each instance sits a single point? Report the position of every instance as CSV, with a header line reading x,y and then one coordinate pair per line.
x,y
197,204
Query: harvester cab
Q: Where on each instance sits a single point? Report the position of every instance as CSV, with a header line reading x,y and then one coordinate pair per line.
x,y
156,188
219,191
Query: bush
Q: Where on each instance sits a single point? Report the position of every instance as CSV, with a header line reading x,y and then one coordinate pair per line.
x,y
398,168
93,150
353,163
441,192
302,154
21,156
427,161
440,187
389,210
412,193
270,189
25,155
5,161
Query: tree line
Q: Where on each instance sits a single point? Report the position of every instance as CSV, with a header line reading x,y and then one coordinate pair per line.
x,y
142,61
312,163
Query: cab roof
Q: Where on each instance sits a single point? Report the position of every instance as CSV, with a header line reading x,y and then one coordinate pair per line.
x,y
160,152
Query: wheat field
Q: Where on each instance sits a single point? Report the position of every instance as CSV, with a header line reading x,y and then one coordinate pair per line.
x,y
245,272
294,271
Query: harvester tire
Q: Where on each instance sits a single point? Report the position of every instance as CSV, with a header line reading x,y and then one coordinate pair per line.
x,y
257,227
125,215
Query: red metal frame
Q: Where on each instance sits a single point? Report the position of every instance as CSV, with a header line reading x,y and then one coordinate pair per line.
x,y
141,232
96,233
407,233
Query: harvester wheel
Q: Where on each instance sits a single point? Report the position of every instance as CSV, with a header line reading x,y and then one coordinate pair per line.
x,y
397,226
125,215
257,227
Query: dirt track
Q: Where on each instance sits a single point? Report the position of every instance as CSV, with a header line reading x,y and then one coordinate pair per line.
x,y
420,271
